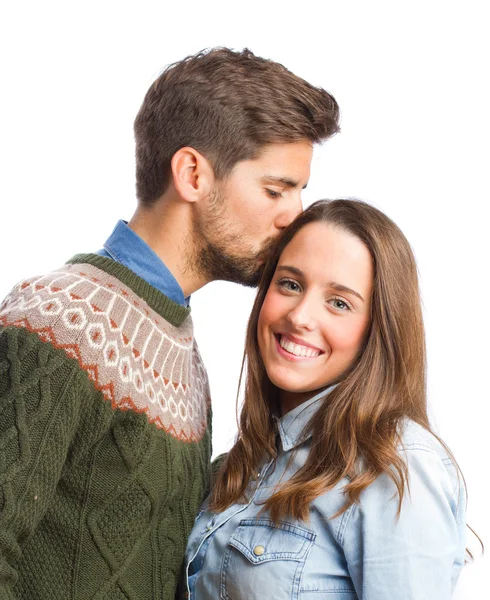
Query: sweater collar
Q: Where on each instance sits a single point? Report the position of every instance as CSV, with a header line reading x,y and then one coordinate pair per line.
x,y
171,311
126,247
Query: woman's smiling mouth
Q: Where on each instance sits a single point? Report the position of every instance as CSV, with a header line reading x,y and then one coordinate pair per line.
x,y
295,349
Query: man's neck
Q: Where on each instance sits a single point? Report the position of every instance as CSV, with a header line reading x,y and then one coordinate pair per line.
x,y
166,227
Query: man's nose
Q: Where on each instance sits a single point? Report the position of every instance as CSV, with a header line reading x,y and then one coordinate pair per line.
x,y
289,213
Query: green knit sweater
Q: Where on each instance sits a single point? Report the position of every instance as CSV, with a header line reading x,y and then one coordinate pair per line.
x,y
104,436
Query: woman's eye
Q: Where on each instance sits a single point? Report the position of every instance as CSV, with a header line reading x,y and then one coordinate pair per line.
x,y
289,285
339,304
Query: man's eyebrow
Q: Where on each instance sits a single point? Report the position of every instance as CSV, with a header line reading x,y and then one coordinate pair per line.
x,y
284,180
331,284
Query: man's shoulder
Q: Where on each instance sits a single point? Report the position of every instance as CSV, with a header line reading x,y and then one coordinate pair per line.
x,y
134,356
87,288
29,296
69,297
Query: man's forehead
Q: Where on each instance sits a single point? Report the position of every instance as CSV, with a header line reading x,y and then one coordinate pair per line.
x,y
291,155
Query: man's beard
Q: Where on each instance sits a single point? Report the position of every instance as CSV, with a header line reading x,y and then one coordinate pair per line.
x,y
217,263
211,249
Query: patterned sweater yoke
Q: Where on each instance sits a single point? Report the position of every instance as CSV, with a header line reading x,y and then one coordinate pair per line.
x,y
100,369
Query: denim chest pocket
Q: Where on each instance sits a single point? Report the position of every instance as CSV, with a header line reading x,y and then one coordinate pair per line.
x,y
265,560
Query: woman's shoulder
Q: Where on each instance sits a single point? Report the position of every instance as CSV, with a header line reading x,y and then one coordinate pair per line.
x,y
414,438
431,467
434,486
420,537
428,459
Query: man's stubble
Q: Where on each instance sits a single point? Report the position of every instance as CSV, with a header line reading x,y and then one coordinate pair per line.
x,y
216,250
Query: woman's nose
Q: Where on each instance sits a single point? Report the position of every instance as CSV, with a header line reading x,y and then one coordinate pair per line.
x,y
302,316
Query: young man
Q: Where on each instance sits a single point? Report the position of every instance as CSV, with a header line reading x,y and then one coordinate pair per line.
x,y
104,400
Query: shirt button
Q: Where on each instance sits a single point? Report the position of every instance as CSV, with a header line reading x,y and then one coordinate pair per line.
x,y
259,550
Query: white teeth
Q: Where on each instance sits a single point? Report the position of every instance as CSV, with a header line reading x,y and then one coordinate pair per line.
x,y
297,349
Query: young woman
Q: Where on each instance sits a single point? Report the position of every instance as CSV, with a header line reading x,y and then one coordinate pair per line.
x,y
336,486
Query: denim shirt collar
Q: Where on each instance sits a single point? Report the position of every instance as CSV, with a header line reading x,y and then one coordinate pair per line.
x,y
128,248
292,425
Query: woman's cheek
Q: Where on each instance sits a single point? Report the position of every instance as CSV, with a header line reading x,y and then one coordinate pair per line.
x,y
272,308
347,336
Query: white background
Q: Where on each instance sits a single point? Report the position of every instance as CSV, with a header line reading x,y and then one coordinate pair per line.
x,y
412,83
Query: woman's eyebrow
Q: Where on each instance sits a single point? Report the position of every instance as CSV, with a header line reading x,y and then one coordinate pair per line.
x,y
294,270
343,288
331,284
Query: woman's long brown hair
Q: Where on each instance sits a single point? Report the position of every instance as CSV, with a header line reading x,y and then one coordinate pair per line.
x,y
356,431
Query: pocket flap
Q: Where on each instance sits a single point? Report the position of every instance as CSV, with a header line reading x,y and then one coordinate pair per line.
x,y
261,540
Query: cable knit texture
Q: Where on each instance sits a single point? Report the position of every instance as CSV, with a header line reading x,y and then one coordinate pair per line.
x,y
104,436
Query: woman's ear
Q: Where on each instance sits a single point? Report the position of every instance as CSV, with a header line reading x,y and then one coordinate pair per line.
x,y
193,175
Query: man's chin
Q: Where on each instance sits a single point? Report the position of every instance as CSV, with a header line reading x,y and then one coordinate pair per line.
x,y
247,277
222,265
252,280
250,275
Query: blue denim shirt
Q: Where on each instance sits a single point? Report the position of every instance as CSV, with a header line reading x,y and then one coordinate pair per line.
x,y
366,552
126,247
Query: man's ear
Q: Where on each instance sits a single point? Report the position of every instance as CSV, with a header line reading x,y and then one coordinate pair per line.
x,y
193,175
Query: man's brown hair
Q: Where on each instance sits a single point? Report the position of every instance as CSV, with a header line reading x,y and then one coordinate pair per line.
x,y
227,105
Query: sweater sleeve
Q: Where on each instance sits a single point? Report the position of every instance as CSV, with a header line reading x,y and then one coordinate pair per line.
x,y
418,554
38,417
217,463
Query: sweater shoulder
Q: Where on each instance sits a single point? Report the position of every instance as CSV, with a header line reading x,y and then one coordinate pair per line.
x,y
133,356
